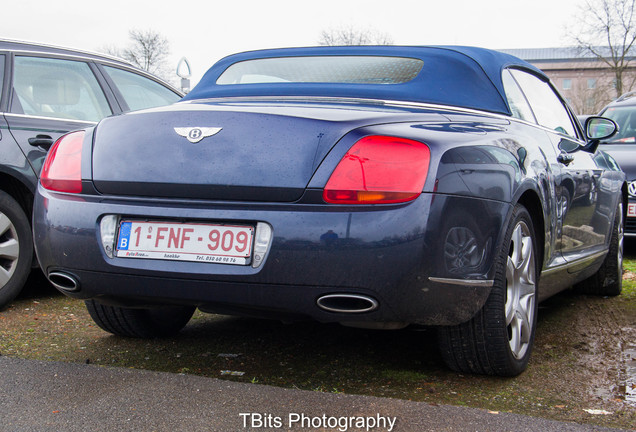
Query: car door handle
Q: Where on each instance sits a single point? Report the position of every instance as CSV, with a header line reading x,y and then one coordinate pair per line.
x,y
43,141
565,158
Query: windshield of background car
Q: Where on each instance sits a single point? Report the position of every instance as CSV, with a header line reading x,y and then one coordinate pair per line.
x,y
62,89
625,118
140,92
323,69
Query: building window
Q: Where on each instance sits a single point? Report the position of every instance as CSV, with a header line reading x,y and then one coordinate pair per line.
x,y
591,83
567,84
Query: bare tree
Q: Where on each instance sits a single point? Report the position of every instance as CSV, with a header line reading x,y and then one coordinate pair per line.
x,y
147,50
352,36
607,30
587,99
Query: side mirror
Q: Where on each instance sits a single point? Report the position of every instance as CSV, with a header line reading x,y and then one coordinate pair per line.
x,y
597,129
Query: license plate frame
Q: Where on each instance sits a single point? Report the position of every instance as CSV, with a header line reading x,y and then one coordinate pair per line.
x,y
221,243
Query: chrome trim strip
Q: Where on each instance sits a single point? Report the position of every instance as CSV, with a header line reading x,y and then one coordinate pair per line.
x,y
580,261
346,100
553,269
47,118
464,282
376,102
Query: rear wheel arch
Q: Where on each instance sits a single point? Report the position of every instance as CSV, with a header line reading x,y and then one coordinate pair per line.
x,y
531,201
18,191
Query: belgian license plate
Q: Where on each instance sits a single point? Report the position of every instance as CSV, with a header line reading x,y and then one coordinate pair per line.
x,y
199,242
631,210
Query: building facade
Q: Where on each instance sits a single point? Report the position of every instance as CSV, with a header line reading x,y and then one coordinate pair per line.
x,y
585,81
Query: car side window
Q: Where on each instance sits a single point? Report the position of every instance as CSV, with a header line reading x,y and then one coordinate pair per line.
x,y
140,92
516,100
57,88
546,105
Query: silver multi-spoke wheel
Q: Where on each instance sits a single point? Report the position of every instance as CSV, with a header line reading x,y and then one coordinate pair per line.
x,y
16,248
9,249
520,290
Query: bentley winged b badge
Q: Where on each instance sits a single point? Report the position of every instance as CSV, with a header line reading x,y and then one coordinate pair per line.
x,y
196,134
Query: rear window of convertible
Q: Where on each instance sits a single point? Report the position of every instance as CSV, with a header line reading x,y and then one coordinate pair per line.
x,y
323,69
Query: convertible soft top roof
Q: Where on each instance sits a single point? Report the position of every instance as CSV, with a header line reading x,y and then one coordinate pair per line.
x,y
466,77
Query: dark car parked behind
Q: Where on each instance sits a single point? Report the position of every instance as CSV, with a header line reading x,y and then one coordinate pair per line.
x,y
622,147
46,92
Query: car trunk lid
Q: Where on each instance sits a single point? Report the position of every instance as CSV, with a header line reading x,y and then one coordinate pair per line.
x,y
250,153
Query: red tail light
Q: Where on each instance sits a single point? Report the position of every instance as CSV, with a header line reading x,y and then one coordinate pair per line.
x,y
62,170
379,170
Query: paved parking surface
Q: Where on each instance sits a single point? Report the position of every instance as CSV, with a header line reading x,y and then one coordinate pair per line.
x,y
50,396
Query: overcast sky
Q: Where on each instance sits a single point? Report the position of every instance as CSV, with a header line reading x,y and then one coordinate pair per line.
x,y
205,31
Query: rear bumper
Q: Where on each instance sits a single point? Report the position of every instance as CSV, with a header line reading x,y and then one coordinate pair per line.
x,y
398,255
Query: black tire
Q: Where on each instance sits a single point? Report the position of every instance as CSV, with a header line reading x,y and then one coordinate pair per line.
x,y
140,323
608,280
499,339
16,248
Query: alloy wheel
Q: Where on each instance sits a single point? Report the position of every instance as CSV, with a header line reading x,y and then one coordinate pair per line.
x,y
520,290
9,249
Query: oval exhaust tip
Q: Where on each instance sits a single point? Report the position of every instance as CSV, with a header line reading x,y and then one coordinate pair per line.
x,y
347,303
64,281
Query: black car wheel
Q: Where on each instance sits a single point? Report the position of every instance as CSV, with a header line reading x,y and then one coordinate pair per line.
x,y
16,248
499,339
140,323
608,280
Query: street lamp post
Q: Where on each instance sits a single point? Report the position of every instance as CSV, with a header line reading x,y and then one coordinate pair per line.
x,y
184,72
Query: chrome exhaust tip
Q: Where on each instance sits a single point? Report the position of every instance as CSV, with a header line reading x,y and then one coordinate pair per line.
x,y
64,281
347,303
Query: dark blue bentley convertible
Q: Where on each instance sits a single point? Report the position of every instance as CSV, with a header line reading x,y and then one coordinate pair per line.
x,y
371,186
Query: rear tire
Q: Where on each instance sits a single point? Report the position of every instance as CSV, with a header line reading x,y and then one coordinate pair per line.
x,y
498,340
608,280
140,323
16,248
